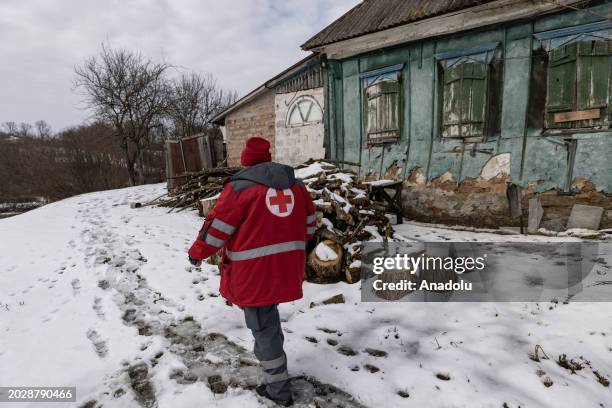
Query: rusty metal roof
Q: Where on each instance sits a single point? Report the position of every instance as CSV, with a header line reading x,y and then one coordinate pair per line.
x,y
376,15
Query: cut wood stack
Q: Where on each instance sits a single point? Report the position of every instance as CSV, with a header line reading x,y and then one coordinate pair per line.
x,y
198,187
345,215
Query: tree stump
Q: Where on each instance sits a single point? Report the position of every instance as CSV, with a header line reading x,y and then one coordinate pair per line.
x,y
325,262
396,276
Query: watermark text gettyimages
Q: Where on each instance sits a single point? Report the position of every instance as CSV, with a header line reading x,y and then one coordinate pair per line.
x,y
485,271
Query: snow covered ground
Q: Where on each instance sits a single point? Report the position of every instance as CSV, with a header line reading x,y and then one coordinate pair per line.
x,y
99,296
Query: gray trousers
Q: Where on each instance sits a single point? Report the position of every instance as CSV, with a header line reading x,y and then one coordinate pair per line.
x,y
265,325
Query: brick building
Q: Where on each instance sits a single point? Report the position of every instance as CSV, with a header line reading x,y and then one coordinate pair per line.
x,y
287,110
252,114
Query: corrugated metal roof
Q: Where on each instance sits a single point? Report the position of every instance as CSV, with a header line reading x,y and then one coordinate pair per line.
x,y
375,15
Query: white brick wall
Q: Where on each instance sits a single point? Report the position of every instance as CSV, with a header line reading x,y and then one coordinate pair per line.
x,y
295,145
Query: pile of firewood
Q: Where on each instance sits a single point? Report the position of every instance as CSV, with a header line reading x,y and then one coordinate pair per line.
x,y
345,215
345,218
198,188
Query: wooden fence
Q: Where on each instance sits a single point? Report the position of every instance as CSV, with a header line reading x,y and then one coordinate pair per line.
x,y
192,154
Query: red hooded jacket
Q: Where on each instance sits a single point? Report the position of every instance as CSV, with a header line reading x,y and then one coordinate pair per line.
x,y
261,222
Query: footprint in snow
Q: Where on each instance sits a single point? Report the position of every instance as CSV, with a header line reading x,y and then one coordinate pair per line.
x,y
376,353
347,351
76,286
326,330
97,307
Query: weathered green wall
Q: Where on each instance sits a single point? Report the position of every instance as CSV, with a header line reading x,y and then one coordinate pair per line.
x,y
535,160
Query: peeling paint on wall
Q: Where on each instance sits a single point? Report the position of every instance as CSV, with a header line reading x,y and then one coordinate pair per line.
x,y
476,202
461,180
497,166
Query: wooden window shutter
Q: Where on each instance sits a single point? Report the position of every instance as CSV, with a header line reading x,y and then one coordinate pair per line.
x,y
465,100
382,107
579,86
451,100
561,83
593,81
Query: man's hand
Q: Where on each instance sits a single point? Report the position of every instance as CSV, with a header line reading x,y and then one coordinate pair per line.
x,y
195,262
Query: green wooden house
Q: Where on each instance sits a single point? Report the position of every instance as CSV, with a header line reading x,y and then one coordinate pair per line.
x,y
463,98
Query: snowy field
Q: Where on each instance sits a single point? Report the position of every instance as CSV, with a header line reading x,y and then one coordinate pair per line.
x,y
99,296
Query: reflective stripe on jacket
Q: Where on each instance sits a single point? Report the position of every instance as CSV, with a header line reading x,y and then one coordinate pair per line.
x,y
262,221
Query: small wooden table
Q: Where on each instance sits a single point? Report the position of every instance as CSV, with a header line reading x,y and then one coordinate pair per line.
x,y
377,191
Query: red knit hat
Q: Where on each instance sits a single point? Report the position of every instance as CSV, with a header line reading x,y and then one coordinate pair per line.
x,y
256,150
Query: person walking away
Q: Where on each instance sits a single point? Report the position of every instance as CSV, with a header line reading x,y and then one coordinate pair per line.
x,y
261,223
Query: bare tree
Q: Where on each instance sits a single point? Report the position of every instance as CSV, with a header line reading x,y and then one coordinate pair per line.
x,y
11,128
193,101
128,91
25,129
43,129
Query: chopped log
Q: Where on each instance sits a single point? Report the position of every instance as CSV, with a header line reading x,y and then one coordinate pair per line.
x,y
206,205
396,276
341,214
324,209
359,201
215,259
325,262
353,274
334,300
326,234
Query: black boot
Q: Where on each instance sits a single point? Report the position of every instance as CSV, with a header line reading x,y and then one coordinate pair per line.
x,y
262,391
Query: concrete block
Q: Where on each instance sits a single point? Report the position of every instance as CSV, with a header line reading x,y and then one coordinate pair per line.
x,y
585,216
536,212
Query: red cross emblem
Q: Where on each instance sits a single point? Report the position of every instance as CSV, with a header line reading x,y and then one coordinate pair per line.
x,y
280,202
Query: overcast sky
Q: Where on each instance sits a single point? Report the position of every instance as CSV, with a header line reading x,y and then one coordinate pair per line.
x,y
242,42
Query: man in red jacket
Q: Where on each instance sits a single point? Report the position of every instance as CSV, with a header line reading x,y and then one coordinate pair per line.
x,y
261,223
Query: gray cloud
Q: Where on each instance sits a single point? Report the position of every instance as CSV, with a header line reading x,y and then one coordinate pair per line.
x,y
242,42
